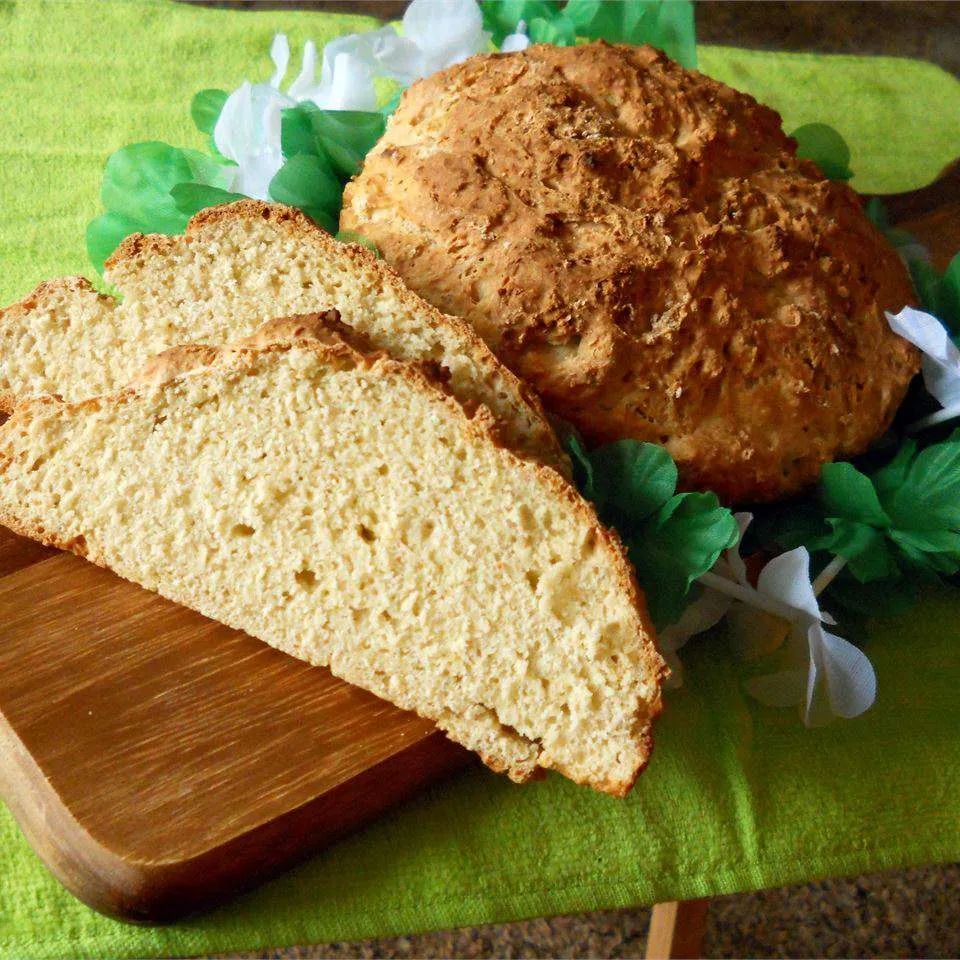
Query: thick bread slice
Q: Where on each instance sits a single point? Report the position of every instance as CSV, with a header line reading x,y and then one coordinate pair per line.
x,y
343,507
236,267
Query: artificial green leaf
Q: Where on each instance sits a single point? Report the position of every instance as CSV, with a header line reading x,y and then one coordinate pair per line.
x,y
193,197
344,137
138,179
593,18
950,296
349,236
612,22
877,214
864,547
323,218
825,146
360,129
846,492
847,595
205,109
501,17
305,181
666,24
296,131
137,183
937,551
136,191
671,538
583,475
679,543
926,282
558,30
928,494
104,235
786,526
632,479
939,293
675,32
888,479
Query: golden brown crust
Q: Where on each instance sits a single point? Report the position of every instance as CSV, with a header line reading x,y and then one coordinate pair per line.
x,y
135,248
320,327
642,244
243,357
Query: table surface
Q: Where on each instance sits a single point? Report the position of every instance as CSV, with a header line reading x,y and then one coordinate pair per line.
x,y
906,913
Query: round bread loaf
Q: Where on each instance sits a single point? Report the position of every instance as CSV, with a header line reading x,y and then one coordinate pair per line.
x,y
642,244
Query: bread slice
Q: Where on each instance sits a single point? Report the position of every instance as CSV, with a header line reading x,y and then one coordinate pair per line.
x,y
236,267
344,507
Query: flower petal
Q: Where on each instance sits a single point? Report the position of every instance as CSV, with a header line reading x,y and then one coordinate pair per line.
x,y
843,682
515,42
401,60
306,78
699,615
351,85
233,131
280,55
446,31
941,358
787,578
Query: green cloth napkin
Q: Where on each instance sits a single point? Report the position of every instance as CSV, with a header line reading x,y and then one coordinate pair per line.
x,y
737,796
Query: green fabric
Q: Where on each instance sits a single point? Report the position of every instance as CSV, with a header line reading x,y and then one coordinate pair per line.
x,y
737,796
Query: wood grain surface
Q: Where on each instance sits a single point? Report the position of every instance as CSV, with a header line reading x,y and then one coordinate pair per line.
x,y
159,762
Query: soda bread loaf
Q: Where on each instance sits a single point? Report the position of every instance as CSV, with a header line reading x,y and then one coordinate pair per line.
x,y
237,266
643,245
349,509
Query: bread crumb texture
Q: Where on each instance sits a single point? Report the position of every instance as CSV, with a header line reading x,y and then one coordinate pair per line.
x,y
642,244
236,267
343,507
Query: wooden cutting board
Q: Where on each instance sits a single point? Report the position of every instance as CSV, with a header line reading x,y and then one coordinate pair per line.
x,y
159,762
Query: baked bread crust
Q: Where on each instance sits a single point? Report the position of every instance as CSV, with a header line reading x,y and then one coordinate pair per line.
x,y
642,244
318,333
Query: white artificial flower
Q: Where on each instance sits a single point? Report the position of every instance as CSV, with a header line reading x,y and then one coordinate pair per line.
x,y
248,128
824,674
248,132
941,359
515,42
305,80
445,32
439,33
280,55
351,65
